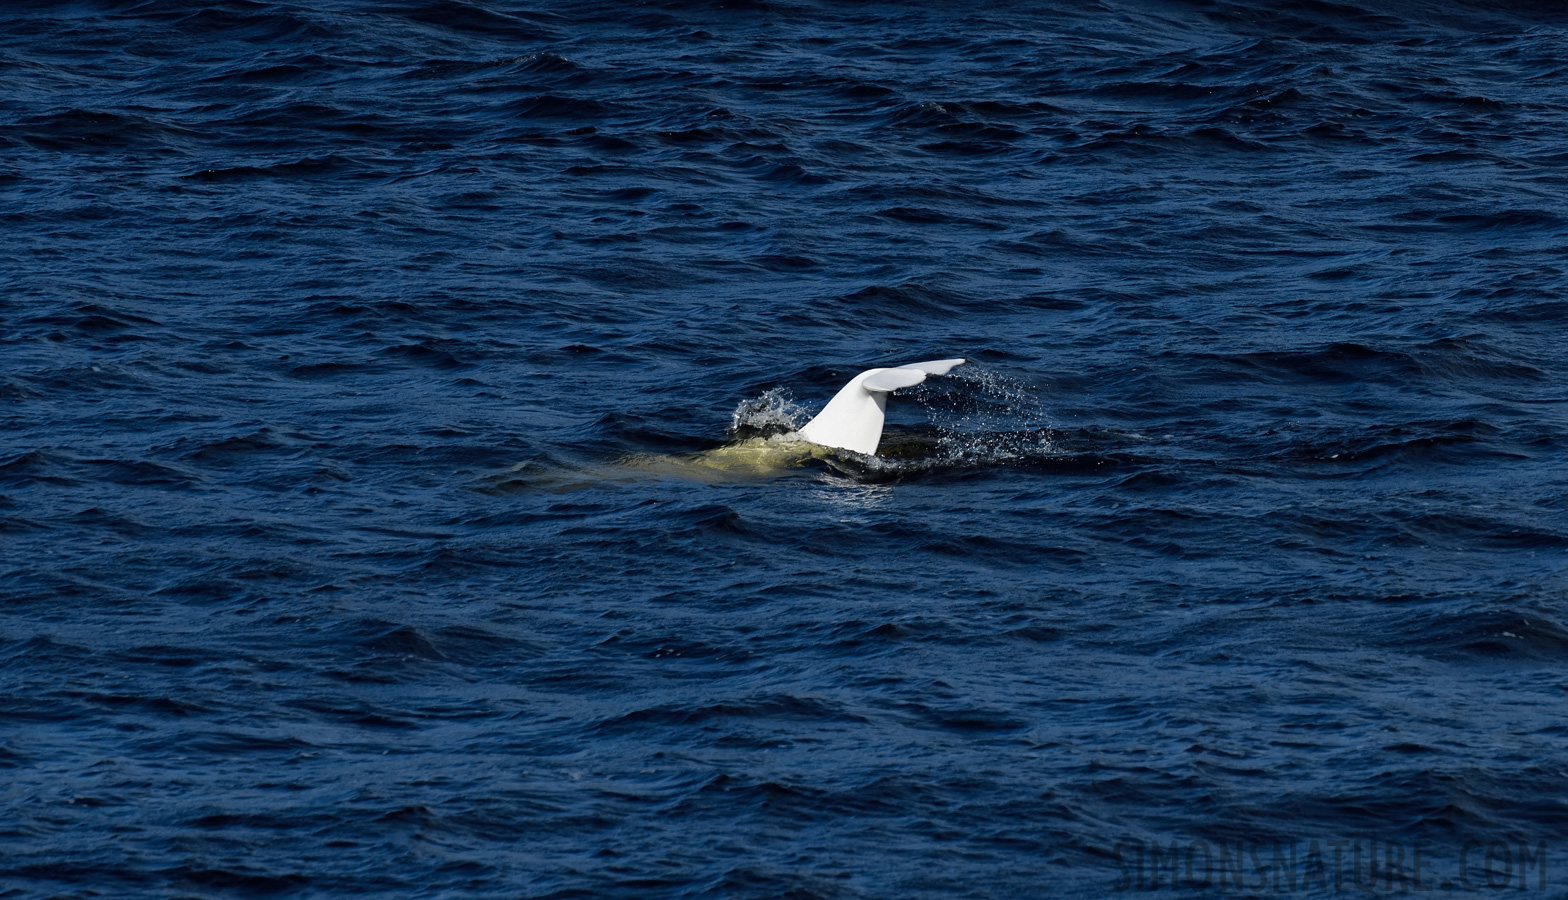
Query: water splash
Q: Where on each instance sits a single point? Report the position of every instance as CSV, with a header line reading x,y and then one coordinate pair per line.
x,y
984,417
775,412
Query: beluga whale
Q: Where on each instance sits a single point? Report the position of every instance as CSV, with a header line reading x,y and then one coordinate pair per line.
x,y
853,419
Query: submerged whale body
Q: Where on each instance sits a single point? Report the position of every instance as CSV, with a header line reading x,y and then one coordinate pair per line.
x,y
853,419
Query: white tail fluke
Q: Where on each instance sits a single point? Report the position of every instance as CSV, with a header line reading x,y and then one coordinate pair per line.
x,y
852,420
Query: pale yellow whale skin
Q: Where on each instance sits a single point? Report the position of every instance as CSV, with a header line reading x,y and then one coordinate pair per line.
x,y
759,458
751,459
745,460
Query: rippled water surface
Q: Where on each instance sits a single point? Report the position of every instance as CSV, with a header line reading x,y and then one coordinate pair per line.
x,y
391,397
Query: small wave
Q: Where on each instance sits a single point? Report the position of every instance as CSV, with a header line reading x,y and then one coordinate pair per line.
x,y
308,167
473,19
87,130
1502,634
267,23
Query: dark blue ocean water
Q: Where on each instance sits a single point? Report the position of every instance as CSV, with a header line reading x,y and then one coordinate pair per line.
x,y
357,360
